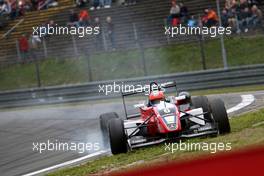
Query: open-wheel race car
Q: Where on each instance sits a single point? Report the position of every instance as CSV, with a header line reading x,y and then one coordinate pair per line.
x,y
164,118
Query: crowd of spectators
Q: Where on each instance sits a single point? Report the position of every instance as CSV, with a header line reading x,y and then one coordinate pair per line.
x,y
242,15
84,19
11,9
178,14
81,19
99,4
29,43
94,4
16,8
28,46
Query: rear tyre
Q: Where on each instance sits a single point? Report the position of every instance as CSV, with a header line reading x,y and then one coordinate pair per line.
x,y
118,139
202,102
220,115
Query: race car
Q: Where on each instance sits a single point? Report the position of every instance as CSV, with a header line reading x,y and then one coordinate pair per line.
x,y
164,119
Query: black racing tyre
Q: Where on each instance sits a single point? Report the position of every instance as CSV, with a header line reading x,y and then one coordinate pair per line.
x,y
220,115
104,119
202,102
117,135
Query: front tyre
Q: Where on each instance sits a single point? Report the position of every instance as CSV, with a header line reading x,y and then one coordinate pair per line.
x,y
104,120
202,102
220,115
117,135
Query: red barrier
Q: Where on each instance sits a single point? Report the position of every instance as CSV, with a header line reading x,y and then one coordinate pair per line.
x,y
239,163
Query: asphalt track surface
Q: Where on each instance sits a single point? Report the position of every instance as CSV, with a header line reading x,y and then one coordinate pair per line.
x,y
78,123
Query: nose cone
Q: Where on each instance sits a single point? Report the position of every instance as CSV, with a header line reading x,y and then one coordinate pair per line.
x,y
170,121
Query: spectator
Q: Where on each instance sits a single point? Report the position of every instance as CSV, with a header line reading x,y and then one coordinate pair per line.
x,y
51,23
257,17
210,18
28,5
107,3
173,18
51,3
97,4
192,22
80,3
43,29
84,18
243,4
34,42
73,19
229,4
98,37
21,9
47,30
5,8
110,32
23,48
232,16
244,20
14,13
225,18
184,13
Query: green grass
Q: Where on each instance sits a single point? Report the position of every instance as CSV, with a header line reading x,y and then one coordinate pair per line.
x,y
127,64
52,72
243,134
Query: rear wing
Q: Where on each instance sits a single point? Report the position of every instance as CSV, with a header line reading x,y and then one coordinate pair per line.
x,y
145,89
148,89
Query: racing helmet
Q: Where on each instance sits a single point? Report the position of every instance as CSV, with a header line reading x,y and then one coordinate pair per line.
x,y
156,95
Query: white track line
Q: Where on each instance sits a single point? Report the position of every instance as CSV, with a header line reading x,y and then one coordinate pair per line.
x,y
66,163
246,100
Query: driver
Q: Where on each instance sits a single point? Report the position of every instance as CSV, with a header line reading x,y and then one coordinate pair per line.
x,y
155,97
